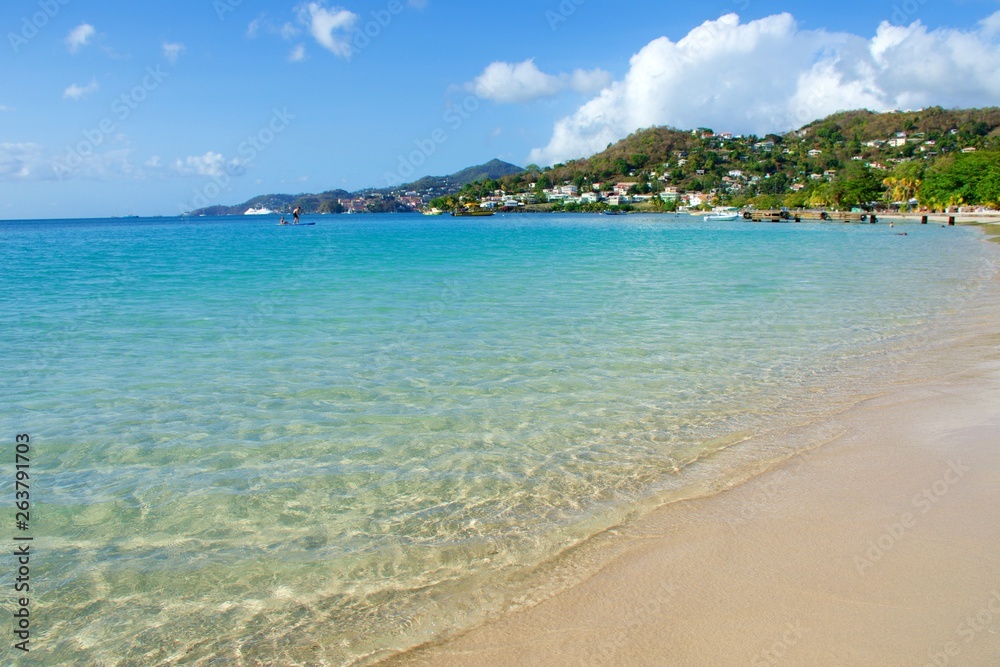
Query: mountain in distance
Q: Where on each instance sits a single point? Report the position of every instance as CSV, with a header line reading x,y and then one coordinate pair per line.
x,y
492,170
382,200
846,158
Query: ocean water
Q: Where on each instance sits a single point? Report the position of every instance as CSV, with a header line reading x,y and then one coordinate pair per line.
x,y
263,445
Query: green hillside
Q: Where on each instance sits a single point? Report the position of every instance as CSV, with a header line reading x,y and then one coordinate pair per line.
x,y
375,201
855,158
436,185
848,159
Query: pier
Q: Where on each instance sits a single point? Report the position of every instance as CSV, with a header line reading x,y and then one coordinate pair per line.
x,y
783,215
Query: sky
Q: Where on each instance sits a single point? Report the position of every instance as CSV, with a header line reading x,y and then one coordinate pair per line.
x,y
153,108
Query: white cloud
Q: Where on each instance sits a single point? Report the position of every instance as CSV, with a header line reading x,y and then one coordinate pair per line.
x,y
29,162
991,25
172,51
771,76
154,162
253,28
4,108
512,83
25,161
588,81
298,54
77,93
79,37
330,28
109,165
210,164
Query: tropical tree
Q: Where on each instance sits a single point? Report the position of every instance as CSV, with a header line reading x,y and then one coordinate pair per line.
x,y
856,185
972,178
904,182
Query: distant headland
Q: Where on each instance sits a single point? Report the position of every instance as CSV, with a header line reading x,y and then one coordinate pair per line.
x,y
930,159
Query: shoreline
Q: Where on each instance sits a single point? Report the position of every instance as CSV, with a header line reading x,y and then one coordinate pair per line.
x,y
874,546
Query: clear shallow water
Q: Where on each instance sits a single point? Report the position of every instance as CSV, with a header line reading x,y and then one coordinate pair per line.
x,y
271,445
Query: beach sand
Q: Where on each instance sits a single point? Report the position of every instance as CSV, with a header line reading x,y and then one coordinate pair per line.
x,y
882,547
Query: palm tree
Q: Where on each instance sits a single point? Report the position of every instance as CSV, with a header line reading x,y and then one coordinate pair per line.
x,y
901,188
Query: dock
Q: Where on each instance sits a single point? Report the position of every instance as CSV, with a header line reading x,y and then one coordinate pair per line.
x,y
783,215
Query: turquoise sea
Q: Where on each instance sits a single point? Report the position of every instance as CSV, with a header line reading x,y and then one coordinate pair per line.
x,y
263,445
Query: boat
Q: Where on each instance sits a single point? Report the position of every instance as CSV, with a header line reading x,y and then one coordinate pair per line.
x,y
259,209
723,215
433,211
469,212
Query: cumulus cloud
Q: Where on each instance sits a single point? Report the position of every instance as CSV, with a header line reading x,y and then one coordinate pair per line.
x,y
172,51
210,164
298,54
512,83
331,28
79,37
771,76
77,93
990,26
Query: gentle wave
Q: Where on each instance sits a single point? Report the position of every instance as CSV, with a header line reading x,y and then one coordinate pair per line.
x,y
306,446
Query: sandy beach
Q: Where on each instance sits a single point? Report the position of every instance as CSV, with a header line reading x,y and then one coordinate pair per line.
x,y
880,547
984,217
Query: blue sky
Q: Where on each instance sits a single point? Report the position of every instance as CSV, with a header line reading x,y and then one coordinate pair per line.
x,y
153,108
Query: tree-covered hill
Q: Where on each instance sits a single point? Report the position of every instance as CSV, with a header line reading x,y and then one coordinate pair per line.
x,y
492,170
854,158
848,159
386,200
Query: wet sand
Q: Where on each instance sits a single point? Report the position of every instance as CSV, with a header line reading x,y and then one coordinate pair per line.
x,y
881,547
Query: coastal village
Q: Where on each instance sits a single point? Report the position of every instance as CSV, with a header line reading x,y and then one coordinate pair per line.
x,y
858,160
891,160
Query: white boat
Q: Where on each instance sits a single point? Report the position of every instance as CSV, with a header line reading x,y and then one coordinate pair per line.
x,y
258,210
723,215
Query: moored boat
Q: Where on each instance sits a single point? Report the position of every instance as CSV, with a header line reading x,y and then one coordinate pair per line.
x,y
259,209
470,212
723,215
